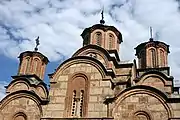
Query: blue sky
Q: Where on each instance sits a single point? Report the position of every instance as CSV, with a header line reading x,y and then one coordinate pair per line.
x,y
59,24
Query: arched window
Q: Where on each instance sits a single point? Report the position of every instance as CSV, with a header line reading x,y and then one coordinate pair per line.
x,y
153,57
162,58
111,41
98,38
36,65
142,115
77,93
27,65
20,116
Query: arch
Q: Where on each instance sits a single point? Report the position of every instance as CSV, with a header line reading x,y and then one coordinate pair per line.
x,y
41,91
111,41
82,59
77,92
94,48
98,38
36,65
162,57
27,65
25,81
153,57
155,72
20,94
18,85
142,90
97,54
142,115
23,94
20,116
103,28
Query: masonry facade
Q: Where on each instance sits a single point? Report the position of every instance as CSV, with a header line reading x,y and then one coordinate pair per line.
x,y
95,83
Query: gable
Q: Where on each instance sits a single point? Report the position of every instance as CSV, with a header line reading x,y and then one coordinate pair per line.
x,y
157,80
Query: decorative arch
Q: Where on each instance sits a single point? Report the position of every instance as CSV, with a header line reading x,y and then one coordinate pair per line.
x,y
162,57
81,59
155,73
126,96
98,38
155,79
153,57
101,51
26,65
103,58
20,116
142,115
22,95
36,65
18,85
111,41
77,94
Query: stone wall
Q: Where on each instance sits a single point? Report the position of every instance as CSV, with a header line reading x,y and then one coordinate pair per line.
x,y
141,105
98,90
20,108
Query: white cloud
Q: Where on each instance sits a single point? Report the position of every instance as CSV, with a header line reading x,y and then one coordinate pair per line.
x,y
59,24
2,89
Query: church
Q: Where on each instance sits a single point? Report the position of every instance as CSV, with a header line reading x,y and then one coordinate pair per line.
x,y
95,84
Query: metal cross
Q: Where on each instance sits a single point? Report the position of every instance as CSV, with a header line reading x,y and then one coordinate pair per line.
x,y
151,32
102,17
37,43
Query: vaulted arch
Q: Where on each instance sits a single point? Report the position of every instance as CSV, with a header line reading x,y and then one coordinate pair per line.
x,y
77,94
137,100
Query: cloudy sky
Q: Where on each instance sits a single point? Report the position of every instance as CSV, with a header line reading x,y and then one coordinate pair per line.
x,y
59,24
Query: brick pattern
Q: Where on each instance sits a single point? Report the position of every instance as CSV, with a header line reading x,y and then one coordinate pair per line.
x,y
21,105
32,65
98,89
105,39
127,108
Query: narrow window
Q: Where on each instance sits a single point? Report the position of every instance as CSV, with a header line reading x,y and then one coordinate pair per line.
x,y
77,92
73,103
36,67
81,102
111,40
153,57
98,38
20,116
27,65
162,58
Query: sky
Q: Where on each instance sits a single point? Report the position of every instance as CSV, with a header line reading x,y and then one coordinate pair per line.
x,y
59,24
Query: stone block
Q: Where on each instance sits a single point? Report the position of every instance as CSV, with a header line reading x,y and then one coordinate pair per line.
x,y
63,85
60,92
94,83
177,114
54,107
88,69
176,106
95,91
93,114
57,114
105,83
63,78
60,99
91,107
98,76
93,99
